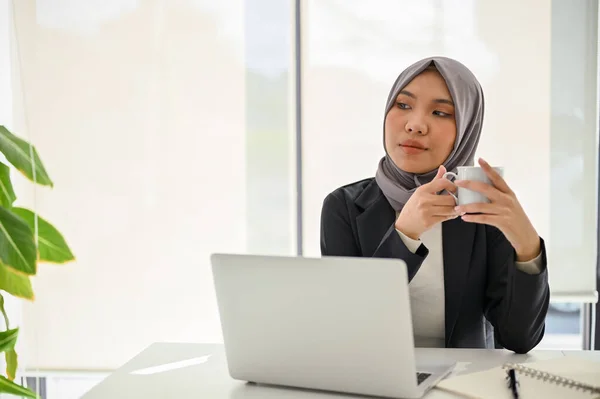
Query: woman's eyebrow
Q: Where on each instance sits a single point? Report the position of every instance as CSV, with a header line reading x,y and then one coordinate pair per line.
x,y
443,101
408,93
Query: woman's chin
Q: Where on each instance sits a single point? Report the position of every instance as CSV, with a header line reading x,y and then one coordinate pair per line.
x,y
414,167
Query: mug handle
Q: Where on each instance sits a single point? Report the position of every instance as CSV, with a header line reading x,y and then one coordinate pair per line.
x,y
455,176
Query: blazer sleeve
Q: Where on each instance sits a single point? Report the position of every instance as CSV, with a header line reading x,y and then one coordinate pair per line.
x,y
516,302
339,237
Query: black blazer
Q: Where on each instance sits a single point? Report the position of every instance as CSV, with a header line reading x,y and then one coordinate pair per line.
x,y
482,283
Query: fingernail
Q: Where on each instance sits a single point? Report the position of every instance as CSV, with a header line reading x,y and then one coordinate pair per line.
x,y
457,208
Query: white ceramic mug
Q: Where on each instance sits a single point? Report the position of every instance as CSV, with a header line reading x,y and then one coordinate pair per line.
x,y
465,196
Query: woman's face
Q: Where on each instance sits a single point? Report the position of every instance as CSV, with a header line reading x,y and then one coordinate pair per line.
x,y
420,128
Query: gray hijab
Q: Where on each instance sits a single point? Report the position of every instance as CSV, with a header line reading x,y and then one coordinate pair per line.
x,y
467,95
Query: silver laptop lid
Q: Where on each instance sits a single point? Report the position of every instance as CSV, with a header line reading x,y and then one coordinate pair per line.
x,y
326,323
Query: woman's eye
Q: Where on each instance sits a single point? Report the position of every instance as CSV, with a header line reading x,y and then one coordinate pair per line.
x,y
440,113
403,106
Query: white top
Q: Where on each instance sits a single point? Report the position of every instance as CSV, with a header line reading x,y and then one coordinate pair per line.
x,y
427,288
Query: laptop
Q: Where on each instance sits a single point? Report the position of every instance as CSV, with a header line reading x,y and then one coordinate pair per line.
x,y
334,324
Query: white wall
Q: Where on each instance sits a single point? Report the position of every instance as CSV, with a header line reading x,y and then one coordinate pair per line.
x,y
353,51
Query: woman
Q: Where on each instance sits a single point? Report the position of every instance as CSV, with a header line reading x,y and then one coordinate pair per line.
x,y
468,266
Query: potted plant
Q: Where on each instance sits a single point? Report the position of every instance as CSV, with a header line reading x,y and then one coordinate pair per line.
x,y
25,240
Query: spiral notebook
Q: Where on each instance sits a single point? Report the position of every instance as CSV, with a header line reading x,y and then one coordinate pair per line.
x,y
565,377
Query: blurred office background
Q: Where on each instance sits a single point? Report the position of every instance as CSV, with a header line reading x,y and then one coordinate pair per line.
x,y
175,129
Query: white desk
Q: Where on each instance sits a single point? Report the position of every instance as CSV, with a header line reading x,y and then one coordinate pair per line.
x,y
210,379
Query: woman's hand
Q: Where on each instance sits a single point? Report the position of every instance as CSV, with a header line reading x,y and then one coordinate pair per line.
x,y
504,212
426,208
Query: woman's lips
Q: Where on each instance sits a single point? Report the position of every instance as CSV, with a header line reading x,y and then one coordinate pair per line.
x,y
412,147
412,150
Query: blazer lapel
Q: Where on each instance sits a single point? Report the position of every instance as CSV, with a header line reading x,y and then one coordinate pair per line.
x,y
457,241
374,222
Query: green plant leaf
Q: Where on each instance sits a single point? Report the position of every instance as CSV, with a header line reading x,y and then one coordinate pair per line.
x,y
25,159
15,283
7,194
6,323
17,246
52,247
10,355
11,364
8,339
7,386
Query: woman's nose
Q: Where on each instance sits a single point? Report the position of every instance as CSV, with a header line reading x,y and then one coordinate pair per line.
x,y
416,127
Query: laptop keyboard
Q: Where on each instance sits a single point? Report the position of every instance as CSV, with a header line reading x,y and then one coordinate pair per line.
x,y
422,377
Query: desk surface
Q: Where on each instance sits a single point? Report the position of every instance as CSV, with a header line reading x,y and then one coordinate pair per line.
x,y
167,370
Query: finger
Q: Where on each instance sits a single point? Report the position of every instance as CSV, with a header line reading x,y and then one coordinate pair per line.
x,y
442,200
487,190
445,191
497,180
441,205
492,220
440,172
440,184
443,211
481,207
453,190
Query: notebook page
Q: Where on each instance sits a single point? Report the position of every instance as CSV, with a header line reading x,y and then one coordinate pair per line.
x,y
492,383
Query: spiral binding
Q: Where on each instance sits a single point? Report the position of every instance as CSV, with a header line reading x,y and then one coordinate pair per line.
x,y
552,378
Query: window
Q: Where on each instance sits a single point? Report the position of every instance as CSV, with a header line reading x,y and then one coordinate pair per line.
x,y
353,52
165,127
168,128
